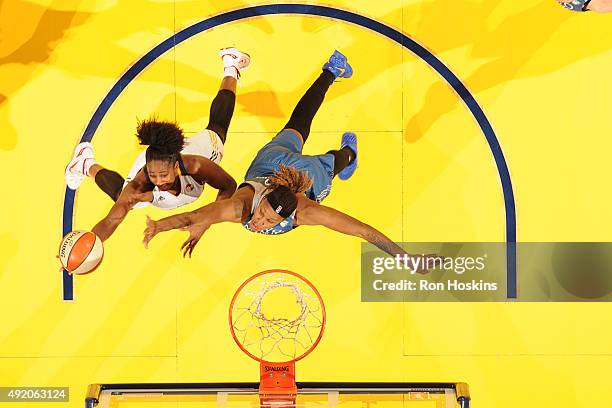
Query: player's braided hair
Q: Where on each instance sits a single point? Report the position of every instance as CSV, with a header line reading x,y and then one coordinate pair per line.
x,y
165,139
290,177
284,185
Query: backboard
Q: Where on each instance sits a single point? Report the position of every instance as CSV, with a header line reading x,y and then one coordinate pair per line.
x,y
277,317
312,394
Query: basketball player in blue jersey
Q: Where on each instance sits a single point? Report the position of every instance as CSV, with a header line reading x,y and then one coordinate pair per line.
x,y
173,170
283,188
602,6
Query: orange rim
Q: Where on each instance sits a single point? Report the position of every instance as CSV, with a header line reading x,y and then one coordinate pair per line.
x,y
297,275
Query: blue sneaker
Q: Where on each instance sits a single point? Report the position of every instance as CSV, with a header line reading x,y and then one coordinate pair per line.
x,y
349,139
338,65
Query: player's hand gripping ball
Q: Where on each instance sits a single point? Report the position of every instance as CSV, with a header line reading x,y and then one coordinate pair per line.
x,y
81,252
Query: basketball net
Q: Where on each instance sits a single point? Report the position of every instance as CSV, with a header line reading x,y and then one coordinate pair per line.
x,y
277,318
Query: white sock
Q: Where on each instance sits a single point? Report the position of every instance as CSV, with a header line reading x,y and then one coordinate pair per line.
x,y
231,71
88,163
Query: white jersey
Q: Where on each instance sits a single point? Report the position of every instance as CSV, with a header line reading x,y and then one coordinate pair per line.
x,y
206,144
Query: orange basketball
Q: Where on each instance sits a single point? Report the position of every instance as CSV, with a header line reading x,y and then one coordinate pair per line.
x,y
81,252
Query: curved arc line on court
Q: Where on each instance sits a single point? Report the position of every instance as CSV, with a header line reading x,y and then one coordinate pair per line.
x,y
334,13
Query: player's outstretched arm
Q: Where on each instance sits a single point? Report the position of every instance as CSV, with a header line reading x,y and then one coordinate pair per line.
x,y
197,221
316,214
312,213
130,195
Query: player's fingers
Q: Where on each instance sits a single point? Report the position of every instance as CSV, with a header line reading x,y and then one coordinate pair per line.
x,y
185,248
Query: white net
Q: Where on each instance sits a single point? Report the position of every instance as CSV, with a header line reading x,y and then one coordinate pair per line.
x,y
277,317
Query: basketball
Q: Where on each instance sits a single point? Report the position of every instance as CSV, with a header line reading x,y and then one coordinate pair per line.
x,y
81,252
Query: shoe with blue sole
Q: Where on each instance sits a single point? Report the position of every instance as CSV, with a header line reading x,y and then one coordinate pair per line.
x,y
338,65
349,139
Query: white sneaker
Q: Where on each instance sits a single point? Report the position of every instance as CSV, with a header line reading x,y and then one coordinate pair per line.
x,y
233,58
78,168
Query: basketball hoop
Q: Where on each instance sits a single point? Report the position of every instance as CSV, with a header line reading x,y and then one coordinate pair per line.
x,y
277,317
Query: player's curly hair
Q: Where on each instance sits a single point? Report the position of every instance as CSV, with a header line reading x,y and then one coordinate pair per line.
x,y
165,139
296,181
284,185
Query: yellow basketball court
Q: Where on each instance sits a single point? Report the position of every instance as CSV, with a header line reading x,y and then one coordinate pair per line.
x,y
428,172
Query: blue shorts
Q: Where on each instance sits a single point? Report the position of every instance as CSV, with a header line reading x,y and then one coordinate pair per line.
x,y
286,148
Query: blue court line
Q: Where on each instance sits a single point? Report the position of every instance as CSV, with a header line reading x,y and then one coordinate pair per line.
x,y
338,14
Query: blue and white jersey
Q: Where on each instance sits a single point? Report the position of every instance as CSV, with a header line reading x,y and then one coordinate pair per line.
x,y
260,185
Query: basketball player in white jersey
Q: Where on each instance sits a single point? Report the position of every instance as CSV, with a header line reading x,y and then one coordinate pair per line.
x,y
173,170
283,188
